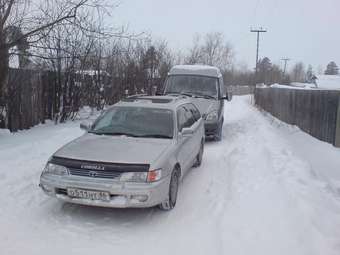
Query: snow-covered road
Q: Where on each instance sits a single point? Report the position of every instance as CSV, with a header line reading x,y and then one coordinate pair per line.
x,y
259,191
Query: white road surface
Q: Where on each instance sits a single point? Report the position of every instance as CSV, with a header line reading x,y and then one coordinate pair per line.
x,y
267,188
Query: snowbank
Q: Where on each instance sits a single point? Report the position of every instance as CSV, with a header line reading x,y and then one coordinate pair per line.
x,y
292,86
4,132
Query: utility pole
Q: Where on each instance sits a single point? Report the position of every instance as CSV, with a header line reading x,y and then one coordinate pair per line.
x,y
258,31
285,66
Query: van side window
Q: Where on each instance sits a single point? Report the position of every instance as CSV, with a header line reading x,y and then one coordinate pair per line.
x,y
222,87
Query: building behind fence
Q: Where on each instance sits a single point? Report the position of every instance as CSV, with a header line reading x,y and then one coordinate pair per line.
x,y
317,112
242,90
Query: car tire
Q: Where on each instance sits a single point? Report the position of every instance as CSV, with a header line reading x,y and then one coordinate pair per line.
x,y
170,202
199,156
218,134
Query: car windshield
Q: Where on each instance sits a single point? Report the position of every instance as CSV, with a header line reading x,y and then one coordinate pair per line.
x,y
135,122
192,84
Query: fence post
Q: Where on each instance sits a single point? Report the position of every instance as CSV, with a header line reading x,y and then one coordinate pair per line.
x,y
337,131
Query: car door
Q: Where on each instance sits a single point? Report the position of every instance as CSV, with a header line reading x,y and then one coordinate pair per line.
x,y
185,119
198,135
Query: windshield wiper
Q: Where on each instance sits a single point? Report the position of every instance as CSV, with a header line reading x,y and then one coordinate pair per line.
x,y
180,93
187,94
171,92
204,96
155,136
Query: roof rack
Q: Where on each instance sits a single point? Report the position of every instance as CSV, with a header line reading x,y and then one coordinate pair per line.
x,y
139,98
137,95
177,96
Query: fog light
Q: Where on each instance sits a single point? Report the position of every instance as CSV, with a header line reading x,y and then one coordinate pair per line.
x,y
46,188
140,198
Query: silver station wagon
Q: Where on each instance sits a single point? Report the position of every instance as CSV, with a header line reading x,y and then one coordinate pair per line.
x,y
133,155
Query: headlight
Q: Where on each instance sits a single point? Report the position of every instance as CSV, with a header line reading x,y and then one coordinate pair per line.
x,y
134,177
150,176
55,169
212,116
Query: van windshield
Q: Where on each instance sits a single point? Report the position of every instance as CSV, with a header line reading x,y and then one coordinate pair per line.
x,y
192,84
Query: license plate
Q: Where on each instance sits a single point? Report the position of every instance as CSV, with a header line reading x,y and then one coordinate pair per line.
x,y
88,194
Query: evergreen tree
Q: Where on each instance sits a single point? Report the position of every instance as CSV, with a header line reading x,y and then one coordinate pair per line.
x,y
264,69
332,69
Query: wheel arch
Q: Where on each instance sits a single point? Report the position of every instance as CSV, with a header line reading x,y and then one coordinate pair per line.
x,y
178,167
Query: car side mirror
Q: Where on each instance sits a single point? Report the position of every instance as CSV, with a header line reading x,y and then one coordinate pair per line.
x,y
86,125
229,96
187,131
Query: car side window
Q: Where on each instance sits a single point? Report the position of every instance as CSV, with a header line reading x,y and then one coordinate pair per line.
x,y
181,118
191,119
194,111
189,116
185,118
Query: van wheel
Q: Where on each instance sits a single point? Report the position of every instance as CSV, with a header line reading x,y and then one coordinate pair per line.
x,y
218,135
199,156
172,194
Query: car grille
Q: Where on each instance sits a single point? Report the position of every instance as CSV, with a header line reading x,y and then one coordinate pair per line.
x,y
94,173
83,167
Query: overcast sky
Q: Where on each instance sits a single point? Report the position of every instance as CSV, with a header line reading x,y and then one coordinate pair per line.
x,y
303,30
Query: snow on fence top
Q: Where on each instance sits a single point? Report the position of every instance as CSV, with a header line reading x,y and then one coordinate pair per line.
x,y
195,70
324,82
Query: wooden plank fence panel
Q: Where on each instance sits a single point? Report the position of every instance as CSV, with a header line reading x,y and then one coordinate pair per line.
x,y
316,112
337,132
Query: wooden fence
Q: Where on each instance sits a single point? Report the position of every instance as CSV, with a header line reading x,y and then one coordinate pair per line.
x,y
34,96
317,112
27,99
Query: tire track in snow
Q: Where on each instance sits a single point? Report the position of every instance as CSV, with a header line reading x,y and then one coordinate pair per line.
x,y
282,218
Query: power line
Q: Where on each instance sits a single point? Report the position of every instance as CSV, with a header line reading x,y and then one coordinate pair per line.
x,y
258,31
258,2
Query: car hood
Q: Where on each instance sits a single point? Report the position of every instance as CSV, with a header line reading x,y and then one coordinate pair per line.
x,y
114,149
206,106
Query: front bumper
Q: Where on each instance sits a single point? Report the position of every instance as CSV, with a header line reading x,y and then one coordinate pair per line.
x,y
122,195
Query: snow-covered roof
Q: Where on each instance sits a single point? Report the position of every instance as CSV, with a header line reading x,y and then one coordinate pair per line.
x,y
328,81
324,82
195,70
92,72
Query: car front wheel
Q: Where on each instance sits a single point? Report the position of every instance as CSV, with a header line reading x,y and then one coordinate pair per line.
x,y
199,156
172,194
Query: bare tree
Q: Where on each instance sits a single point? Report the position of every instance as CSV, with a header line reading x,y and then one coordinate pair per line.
x,y
214,50
21,23
62,36
298,72
195,53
